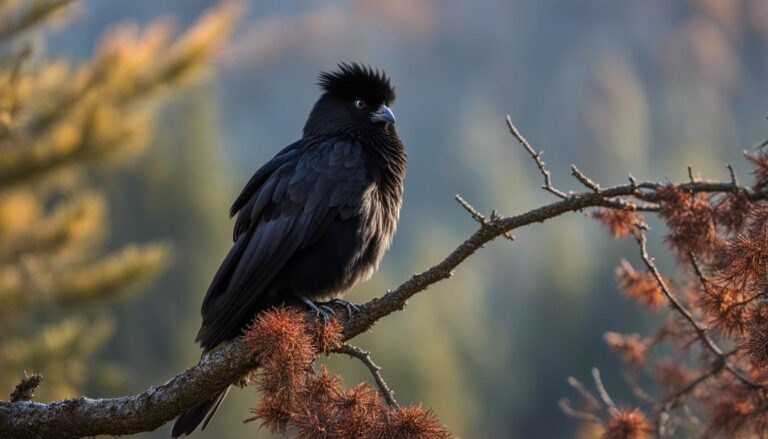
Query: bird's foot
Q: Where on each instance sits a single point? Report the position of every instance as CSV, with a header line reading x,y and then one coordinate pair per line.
x,y
350,306
321,309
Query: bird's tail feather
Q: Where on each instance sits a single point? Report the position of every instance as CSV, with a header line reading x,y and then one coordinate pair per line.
x,y
188,421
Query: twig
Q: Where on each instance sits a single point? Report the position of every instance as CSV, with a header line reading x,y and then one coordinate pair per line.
x,y
692,418
637,390
661,424
479,217
674,400
680,308
589,398
474,213
604,396
699,273
569,410
586,181
734,178
536,156
365,358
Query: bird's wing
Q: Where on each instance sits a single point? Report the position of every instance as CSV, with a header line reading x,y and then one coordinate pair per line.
x,y
287,209
288,155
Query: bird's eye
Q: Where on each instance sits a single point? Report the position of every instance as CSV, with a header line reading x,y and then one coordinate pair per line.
x,y
360,104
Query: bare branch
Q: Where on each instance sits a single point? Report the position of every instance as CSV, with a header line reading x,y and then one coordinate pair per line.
x,y
479,217
690,175
586,181
680,308
638,390
589,398
474,213
536,156
365,358
734,178
78,417
604,396
699,273
567,408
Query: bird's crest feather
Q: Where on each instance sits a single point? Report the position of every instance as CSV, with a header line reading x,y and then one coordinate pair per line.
x,y
353,80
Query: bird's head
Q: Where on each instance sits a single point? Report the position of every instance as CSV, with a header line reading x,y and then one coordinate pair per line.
x,y
355,98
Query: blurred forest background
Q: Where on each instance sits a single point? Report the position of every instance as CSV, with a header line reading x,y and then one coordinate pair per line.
x,y
647,87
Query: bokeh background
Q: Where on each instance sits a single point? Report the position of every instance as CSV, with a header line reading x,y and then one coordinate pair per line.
x,y
644,87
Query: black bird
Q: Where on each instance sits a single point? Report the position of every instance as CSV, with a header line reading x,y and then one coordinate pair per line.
x,y
313,221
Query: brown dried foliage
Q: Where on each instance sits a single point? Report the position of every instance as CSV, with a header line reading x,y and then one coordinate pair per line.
x,y
725,306
627,424
641,287
412,423
631,348
738,279
755,344
690,218
760,169
713,375
671,375
620,223
731,406
731,211
315,404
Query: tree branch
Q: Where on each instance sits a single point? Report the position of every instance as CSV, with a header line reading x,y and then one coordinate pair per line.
x,y
154,407
701,331
365,358
536,156
604,396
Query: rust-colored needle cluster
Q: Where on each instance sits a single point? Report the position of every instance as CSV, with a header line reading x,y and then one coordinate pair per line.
x,y
312,403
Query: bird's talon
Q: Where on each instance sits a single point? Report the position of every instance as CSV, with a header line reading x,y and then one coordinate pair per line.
x,y
320,311
350,306
328,310
323,309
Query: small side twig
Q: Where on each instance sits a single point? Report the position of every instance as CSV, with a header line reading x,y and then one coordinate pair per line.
x,y
589,398
474,213
699,273
612,409
734,178
479,217
583,179
690,175
687,315
569,410
638,390
365,358
25,390
536,156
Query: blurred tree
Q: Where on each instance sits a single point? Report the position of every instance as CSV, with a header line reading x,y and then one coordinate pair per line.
x,y
187,176
181,191
58,124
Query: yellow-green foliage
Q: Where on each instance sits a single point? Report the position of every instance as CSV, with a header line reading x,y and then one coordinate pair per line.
x,y
58,122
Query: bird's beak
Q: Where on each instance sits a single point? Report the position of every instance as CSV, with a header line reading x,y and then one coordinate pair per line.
x,y
383,114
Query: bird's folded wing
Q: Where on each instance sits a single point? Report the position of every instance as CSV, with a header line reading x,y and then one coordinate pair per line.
x,y
286,208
